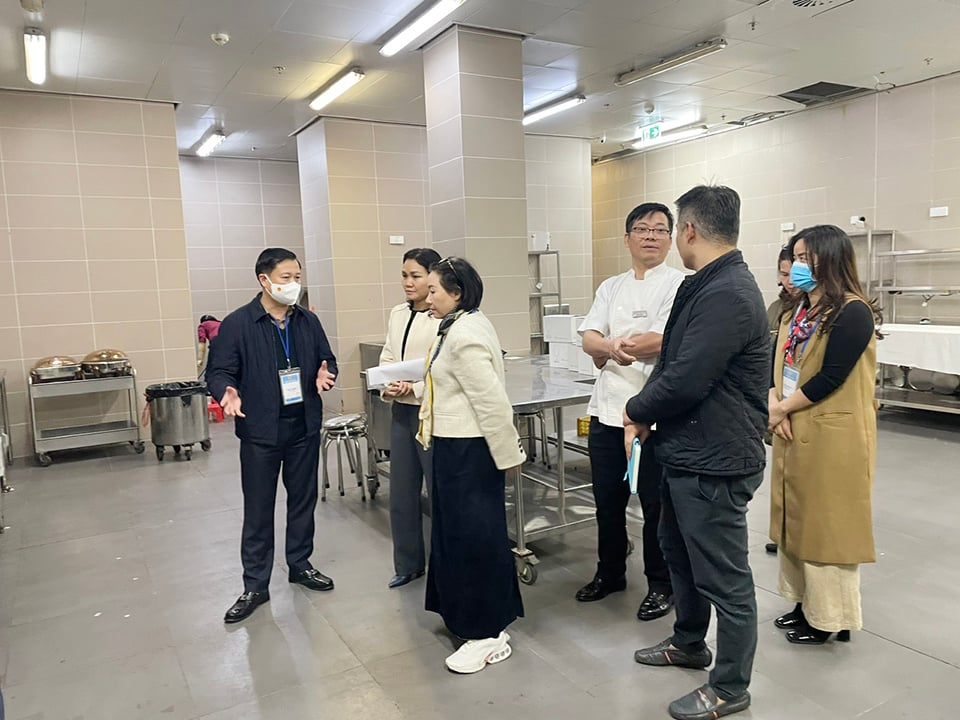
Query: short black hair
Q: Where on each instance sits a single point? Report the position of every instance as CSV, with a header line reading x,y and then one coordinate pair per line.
x,y
645,209
424,257
204,318
714,210
786,253
457,275
271,257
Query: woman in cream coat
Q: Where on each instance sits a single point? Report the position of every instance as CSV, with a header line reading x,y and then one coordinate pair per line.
x,y
468,420
410,333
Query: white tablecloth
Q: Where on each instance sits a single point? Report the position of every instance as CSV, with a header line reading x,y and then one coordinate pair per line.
x,y
931,347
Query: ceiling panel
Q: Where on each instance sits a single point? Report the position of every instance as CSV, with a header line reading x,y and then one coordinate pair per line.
x,y
283,48
524,17
158,21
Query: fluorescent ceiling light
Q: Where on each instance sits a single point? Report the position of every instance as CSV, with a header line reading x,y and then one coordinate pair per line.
x,y
35,52
698,51
437,12
553,109
681,134
337,88
212,141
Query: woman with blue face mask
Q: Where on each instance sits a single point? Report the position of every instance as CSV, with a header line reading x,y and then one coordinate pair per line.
x,y
823,417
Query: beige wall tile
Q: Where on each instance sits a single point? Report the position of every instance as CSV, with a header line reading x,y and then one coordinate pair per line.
x,y
116,212
170,244
282,215
401,192
399,138
353,190
8,310
350,163
54,309
125,244
486,96
448,220
10,348
131,337
35,178
107,181
33,211
348,135
494,178
206,280
51,277
442,102
43,341
167,213
30,145
132,275
244,193
35,111
240,278
176,304
181,364
193,191
205,258
203,215
280,195
179,333
401,166
490,54
242,214
173,274
45,245
279,173
165,183
107,116
353,218
447,181
355,296
397,219
245,258
241,236
440,57
355,244
125,306
110,149
161,152
158,119
213,302
495,218
231,170
492,138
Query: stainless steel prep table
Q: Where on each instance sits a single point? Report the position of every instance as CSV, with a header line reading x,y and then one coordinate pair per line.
x,y
532,385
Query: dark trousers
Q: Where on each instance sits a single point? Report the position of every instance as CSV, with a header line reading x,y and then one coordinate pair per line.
x,y
297,454
703,533
608,464
410,464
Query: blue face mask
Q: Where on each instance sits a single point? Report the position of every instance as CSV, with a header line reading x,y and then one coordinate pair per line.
x,y
802,277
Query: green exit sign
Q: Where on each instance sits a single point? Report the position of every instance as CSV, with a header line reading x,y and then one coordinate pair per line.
x,y
650,133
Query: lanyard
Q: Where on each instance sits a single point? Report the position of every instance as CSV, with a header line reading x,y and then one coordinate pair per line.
x,y
285,342
800,329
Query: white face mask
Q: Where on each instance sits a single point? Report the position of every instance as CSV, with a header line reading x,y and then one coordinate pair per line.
x,y
285,294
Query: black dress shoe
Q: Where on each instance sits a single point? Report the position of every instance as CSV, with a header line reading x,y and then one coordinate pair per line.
x,y
401,580
771,548
245,605
811,636
791,620
703,704
655,605
312,580
598,589
662,655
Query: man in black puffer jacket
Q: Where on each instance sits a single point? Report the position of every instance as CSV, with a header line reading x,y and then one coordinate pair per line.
x,y
708,399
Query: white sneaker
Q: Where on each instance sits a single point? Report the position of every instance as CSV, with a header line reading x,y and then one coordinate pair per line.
x,y
474,655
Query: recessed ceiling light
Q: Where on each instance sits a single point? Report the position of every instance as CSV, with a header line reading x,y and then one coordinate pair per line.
x,y
212,140
437,12
35,54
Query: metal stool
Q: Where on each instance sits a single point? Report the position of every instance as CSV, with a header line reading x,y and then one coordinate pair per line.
x,y
529,421
346,430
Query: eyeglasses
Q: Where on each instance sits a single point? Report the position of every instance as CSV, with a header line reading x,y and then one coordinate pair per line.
x,y
449,263
642,231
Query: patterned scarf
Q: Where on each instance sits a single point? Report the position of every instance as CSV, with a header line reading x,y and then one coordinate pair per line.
x,y
425,432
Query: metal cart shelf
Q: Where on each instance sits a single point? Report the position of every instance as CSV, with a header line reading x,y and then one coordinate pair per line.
x,y
50,440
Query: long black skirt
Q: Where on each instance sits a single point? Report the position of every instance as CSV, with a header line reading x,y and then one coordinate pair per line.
x,y
472,580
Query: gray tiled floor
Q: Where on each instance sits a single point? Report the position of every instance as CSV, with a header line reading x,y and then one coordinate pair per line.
x,y
116,571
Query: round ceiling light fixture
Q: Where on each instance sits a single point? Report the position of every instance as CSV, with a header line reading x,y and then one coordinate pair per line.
x,y
220,39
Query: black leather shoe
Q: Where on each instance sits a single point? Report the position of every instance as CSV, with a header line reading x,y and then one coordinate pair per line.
x,y
245,605
401,580
791,620
598,589
662,654
811,636
703,704
655,605
312,580
771,548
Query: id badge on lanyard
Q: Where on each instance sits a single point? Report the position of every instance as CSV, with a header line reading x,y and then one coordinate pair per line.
x,y
291,392
791,376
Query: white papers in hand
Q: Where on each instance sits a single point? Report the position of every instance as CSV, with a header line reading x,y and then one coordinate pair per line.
x,y
406,371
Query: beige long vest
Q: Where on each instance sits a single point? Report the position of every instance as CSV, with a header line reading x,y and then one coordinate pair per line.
x,y
822,481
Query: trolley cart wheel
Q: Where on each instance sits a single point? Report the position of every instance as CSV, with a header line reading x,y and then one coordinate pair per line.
x,y
176,449
188,452
205,445
138,446
373,484
160,453
527,574
44,460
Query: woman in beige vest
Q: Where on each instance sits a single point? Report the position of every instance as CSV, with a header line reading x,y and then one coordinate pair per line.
x,y
410,333
823,416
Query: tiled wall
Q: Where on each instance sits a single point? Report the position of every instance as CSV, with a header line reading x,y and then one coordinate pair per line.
x,y
558,202
889,157
362,182
92,250
233,209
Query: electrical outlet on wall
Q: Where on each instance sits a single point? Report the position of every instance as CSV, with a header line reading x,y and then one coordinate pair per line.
x,y
858,221
941,211
396,239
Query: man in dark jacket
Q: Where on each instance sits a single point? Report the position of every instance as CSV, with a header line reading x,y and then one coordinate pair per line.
x,y
268,368
708,399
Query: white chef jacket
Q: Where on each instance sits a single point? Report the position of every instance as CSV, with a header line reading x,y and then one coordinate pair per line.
x,y
625,306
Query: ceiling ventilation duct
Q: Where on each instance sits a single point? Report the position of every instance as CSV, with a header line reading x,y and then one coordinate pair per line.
x,y
823,92
820,6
